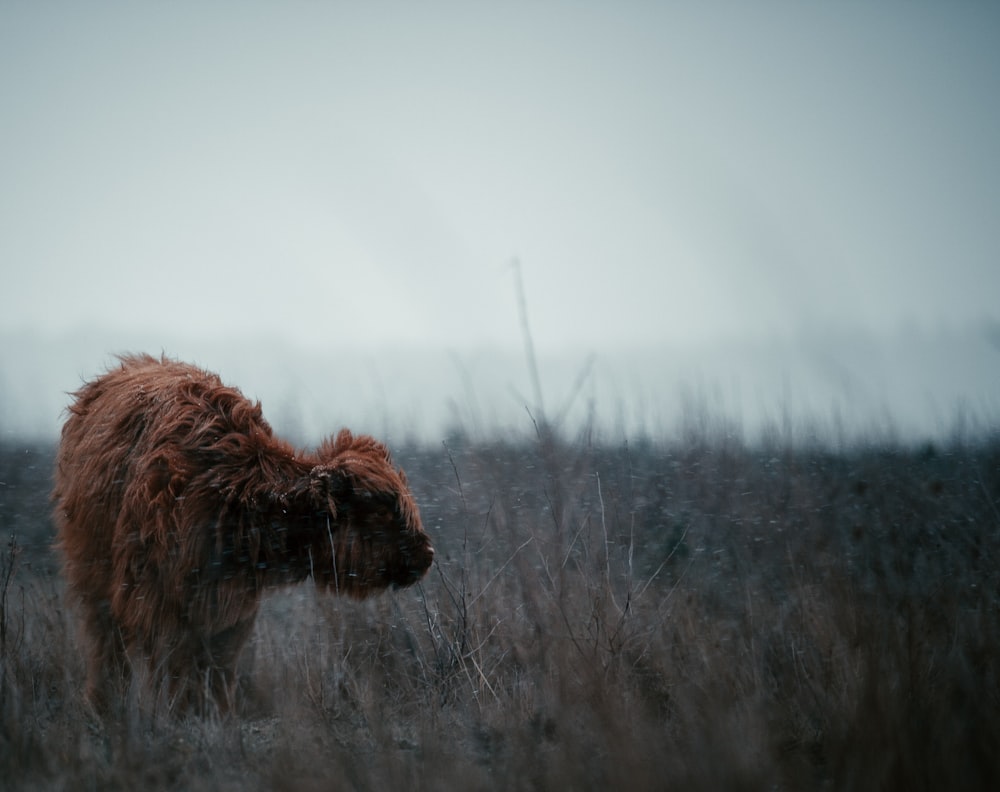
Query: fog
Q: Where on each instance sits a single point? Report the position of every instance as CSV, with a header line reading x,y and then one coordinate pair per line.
x,y
771,212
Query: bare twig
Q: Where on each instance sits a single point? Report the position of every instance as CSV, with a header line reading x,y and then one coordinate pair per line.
x,y
581,378
6,576
529,345
607,545
665,561
503,566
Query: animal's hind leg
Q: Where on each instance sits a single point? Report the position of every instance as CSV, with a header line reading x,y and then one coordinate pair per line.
x,y
108,670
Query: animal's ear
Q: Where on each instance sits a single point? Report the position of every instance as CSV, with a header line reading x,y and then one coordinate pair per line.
x,y
328,482
340,484
343,489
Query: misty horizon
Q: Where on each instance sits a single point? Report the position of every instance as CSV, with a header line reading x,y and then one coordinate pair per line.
x,y
913,386
778,208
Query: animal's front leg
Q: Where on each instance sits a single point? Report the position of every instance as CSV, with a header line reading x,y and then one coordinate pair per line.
x,y
217,661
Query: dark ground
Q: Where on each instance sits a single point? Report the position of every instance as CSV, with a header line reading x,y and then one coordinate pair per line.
x,y
694,615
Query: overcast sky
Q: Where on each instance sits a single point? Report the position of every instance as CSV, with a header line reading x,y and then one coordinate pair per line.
x,y
365,171
362,174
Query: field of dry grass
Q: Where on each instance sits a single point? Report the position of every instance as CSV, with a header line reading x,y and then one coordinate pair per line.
x,y
692,615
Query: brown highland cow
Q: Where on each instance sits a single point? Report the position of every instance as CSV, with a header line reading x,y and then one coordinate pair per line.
x,y
176,507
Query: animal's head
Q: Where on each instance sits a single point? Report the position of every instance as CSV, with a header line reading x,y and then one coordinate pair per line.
x,y
375,538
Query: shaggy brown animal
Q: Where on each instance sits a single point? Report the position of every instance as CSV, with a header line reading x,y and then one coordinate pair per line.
x,y
176,507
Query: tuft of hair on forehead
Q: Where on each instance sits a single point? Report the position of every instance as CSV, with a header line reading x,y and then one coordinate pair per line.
x,y
346,442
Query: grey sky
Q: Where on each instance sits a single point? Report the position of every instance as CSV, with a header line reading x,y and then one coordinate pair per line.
x,y
355,174
365,171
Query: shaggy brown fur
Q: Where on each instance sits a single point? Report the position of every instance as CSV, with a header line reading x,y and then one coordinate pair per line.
x,y
176,507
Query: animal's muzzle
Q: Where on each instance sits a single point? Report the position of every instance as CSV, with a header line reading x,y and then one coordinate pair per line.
x,y
416,563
